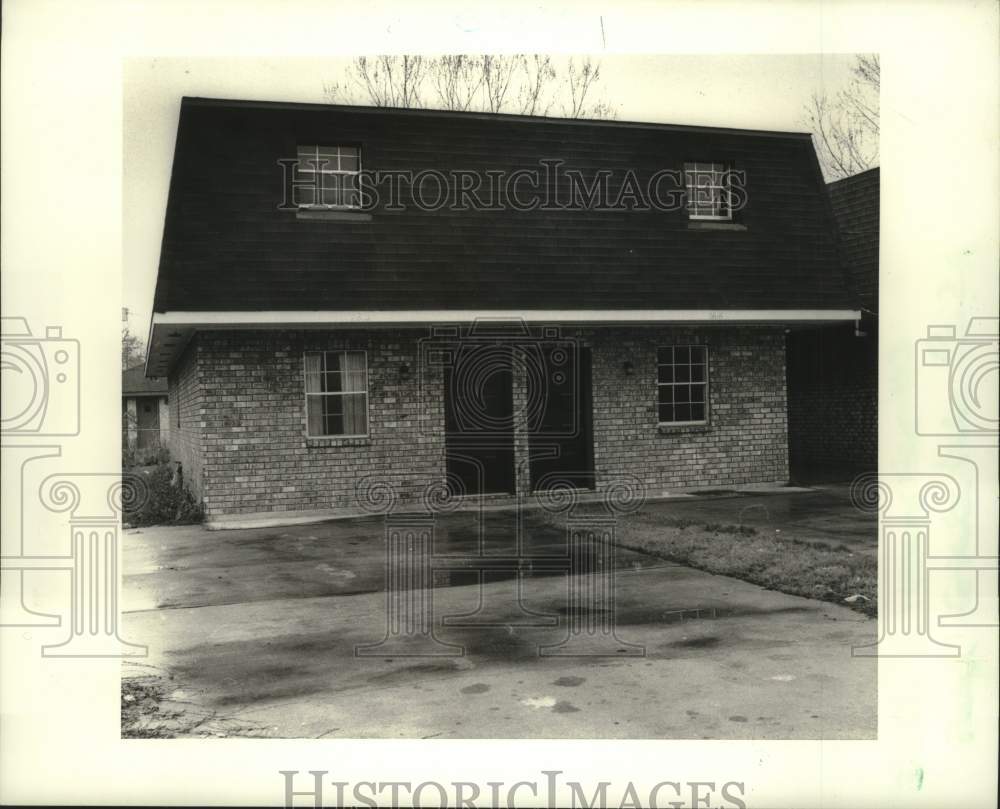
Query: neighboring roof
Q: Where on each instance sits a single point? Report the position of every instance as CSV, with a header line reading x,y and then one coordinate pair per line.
x,y
855,202
136,383
226,247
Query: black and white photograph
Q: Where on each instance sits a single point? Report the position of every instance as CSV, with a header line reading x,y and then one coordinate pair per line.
x,y
513,407
490,407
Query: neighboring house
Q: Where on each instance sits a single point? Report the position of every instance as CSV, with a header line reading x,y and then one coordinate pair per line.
x,y
312,348
145,415
833,372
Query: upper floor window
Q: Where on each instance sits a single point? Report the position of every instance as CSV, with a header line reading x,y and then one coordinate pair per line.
x,y
327,177
682,384
336,385
708,191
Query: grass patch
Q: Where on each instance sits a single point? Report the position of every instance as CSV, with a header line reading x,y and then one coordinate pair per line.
x,y
812,569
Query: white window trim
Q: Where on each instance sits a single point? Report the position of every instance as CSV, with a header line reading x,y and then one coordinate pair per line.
x,y
708,407
725,188
306,395
320,206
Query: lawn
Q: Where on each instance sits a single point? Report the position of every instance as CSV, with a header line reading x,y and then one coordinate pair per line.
x,y
825,571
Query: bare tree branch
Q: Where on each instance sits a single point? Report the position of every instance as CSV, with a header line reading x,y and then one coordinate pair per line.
x,y
846,126
538,73
498,73
522,83
457,80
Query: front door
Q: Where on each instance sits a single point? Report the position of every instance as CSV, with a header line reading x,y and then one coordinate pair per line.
x,y
479,419
561,437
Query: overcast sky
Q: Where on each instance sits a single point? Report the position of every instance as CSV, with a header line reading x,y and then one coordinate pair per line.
x,y
756,92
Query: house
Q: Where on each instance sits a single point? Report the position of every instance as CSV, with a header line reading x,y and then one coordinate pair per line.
x,y
502,304
145,416
833,372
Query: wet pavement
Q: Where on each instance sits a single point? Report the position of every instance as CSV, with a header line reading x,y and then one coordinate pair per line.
x,y
260,628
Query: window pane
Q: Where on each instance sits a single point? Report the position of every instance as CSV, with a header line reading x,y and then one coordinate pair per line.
x,y
355,371
328,158
355,416
332,382
682,395
307,156
313,365
331,182
334,421
314,415
349,159
304,195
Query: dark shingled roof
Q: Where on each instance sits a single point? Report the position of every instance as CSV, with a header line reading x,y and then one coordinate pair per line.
x,y
855,203
136,383
227,247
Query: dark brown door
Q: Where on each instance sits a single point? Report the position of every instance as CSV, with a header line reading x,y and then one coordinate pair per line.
x,y
479,419
561,437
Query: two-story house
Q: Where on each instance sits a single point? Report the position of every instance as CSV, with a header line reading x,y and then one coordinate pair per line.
x,y
499,302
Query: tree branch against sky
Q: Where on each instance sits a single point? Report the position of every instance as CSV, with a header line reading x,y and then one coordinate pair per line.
x,y
845,125
133,346
519,83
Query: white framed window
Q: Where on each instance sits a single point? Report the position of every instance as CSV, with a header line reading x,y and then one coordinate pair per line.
x,y
682,384
708,192
327,177
336,387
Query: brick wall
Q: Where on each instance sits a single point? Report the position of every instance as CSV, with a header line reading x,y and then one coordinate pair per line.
x,y
186,399
243,393
256,453
746,438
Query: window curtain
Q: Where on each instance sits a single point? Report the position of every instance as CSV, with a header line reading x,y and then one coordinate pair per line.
x,y
314,404
356,402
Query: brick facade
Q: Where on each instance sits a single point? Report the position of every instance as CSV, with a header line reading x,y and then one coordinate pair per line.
x,y
242,436
186,399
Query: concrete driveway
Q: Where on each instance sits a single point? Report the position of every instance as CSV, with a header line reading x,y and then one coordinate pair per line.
x,y
253,632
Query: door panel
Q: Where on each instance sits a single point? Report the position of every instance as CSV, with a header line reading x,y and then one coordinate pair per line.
x,y
479,419
148,422
561,437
